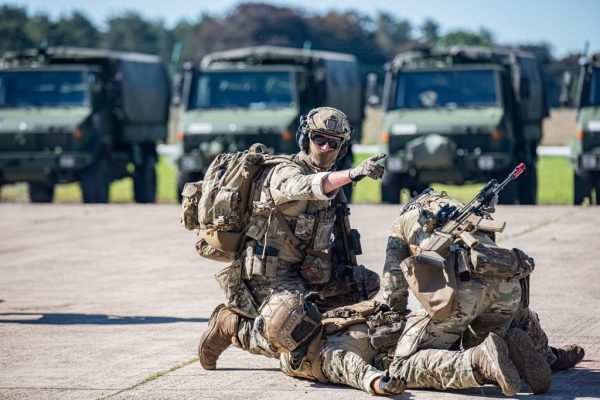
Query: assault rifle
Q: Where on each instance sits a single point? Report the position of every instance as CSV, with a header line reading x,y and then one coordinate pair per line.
x,y
347,244
452,225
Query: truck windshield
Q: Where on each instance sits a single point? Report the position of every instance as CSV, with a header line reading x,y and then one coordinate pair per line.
x,y
247,89
593,98
447,88
42,88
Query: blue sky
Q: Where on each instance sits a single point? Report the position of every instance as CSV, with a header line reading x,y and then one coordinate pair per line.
x,y
566,25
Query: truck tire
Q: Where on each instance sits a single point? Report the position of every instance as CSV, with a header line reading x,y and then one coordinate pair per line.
x,y
527,186
185,177
390,188
144,178
95,181
582,188
41,192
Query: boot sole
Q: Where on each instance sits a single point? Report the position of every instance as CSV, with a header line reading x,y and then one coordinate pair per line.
x,y
508,376
207,332
532,366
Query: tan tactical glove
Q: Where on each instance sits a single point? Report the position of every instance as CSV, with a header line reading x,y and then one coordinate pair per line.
x,y
370,167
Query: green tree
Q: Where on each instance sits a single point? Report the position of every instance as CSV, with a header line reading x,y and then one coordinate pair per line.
x,y
13,33
430,30
130,32
462,37
74,30
391,33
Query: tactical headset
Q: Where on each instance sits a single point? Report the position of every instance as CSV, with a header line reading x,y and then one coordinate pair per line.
x,y
302,135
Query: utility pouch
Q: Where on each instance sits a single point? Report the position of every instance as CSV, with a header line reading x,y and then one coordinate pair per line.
x,y
257,227
236,292
192,191
493,261
386,336
322,239
434,287
305,226
316,270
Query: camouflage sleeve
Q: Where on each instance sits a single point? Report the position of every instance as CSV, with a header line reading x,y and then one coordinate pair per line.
x,y
289,183
395,287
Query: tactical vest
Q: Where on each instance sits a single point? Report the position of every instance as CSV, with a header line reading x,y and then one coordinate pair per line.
x,y
296,238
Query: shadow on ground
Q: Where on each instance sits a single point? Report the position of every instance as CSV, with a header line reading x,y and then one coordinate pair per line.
x,y
88,319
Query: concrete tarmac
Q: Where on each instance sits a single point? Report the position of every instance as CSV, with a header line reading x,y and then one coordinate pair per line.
x,y
109,301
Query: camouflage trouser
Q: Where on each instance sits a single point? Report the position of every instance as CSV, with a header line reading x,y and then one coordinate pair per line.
x,y
528,321
336,293
480,307
345,358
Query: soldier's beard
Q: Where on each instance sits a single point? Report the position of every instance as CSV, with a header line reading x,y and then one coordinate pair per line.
x,y
322,159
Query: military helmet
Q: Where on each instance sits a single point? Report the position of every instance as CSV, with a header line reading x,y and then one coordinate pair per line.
x,y
289,320
329,121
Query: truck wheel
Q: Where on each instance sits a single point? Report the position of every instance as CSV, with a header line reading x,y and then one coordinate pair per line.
x,y
527,186
144,179
185,177
95,181
41,192
582,188
390,188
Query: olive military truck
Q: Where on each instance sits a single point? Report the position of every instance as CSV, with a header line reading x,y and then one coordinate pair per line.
x,y
81,115
233,99
462,114
585,148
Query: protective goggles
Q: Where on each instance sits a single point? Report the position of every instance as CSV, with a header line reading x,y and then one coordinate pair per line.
x,y
320,140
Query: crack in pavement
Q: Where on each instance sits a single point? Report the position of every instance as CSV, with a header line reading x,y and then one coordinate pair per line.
x,y
152,377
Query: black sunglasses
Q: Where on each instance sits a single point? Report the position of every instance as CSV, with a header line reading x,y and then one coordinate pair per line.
x,y
320,140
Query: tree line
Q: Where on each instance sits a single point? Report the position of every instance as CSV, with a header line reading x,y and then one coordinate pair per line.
x,y
373,40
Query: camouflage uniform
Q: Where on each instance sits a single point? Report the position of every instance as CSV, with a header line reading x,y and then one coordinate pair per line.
x,y
484,303
298,245
348,356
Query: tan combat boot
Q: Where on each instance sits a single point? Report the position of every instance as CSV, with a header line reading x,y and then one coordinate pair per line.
x,y
568,356
490,361
220,333
532,366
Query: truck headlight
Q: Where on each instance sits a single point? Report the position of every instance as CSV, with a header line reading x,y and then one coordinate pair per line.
x,y
190,164
66,161
589,161
395,164
485,163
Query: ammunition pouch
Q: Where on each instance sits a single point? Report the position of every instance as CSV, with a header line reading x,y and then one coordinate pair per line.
x,y
259,261
434,287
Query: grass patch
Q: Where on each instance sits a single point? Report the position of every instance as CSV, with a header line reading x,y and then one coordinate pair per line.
x,y
555,186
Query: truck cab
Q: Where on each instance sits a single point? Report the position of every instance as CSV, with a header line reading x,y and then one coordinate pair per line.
x,y
236,98
458,116
81,115
585,147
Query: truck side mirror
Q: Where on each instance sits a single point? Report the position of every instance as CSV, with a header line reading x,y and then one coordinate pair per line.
x,y
373,99
565,99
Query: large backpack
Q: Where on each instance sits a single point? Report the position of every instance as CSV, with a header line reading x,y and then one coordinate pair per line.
x,y
219,206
